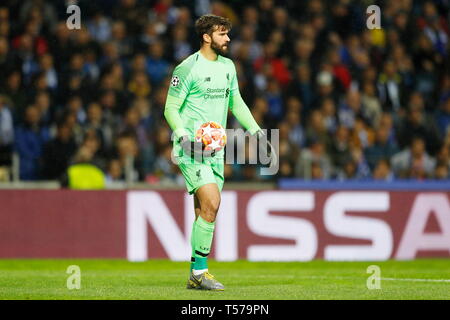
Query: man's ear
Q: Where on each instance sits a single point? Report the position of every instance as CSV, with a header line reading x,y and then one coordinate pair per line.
x,y
206,38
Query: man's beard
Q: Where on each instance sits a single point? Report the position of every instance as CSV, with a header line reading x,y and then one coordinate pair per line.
x,y
219,49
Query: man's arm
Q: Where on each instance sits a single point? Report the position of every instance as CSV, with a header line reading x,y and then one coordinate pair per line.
x,y
172,115
238,106
179,89
245,118
243,114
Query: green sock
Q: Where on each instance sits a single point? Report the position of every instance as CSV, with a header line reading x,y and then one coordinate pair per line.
x,y
193,246
203,235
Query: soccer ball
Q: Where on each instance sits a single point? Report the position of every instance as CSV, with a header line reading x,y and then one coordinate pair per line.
x,y
212,135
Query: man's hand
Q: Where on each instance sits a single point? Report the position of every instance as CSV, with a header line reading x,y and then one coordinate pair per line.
x,y
195,149
265,148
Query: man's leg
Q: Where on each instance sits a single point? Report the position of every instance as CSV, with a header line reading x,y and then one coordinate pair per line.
x,y
206,202
208,197
204,181
196,176
197,213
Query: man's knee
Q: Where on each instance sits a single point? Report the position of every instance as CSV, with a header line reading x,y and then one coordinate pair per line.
x,y
208,197
209,208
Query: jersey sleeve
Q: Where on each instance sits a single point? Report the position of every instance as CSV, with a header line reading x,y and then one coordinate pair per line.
x,y
181,82
238,107
243,114
234,85
172,115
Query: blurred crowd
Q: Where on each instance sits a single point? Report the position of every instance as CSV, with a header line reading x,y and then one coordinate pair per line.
x,y
349,102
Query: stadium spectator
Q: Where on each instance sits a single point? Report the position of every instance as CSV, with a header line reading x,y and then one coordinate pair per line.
x,y
382,171
139,85
114,172
314,162
157,66
132,123
370,104
274,98
362,167
180,46
443,116
58,152
328,110
164,167
276,67
29,141
441,172
381,149
6,58
132,13
6,133
296,130
83,174
71,119
14,93
348,172
288,154
413,162
247,40
127,151
99,26
363,135
120,38
325,89
148,36
340,70
92,142
302,87
96,122
316,129
417,123
340,147
390,87
75,106
350,109
46,66
341,95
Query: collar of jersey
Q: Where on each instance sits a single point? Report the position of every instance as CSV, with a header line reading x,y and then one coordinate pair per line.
x,y
211,61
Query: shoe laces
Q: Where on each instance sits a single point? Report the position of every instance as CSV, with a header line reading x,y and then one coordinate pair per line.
x,y
209,276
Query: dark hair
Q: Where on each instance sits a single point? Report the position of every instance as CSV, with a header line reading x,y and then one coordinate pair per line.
x,y
209,23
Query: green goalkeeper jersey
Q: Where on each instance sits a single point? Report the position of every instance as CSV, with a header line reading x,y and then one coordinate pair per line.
x,y
204,90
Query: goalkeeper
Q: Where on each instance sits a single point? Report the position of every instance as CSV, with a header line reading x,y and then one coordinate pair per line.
x,y
202,88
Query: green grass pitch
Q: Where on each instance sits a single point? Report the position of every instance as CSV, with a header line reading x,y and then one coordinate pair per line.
x,y
163,279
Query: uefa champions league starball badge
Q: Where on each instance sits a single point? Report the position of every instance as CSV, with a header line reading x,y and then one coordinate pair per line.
x,y
175,81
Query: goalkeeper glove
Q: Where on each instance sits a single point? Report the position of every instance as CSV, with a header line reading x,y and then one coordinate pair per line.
x,y
195,149
265,147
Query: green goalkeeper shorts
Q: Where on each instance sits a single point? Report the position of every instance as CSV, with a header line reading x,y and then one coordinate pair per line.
x,y
197,174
